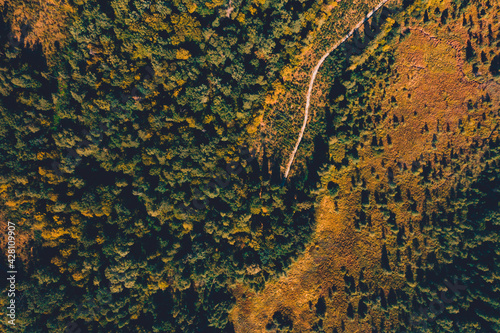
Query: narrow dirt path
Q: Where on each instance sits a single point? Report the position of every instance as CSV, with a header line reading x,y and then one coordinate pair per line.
x,y
313,78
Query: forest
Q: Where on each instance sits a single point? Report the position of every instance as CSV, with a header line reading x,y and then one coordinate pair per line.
x,y
406,232
142,147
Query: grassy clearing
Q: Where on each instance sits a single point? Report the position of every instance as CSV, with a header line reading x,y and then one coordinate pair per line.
x,y
428,115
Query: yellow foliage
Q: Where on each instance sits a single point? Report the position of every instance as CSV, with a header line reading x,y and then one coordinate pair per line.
x,y
186,28
190,5
188,226
99,239
57,261
77,276
388,26
57,219
87,213
278,91
470,126
253,127
53,196
11,203
310,16
208,119
147,160
107,209
163,285
191,121
75,219
241,18
157,22
214,3
75,233
176,92
42,171
53,234
286,73
3,187
182,54
66,252
254,244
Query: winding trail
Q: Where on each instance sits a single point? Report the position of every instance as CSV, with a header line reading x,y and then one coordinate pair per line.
x,y
313,78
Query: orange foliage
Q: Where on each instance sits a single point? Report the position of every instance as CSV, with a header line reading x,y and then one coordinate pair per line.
x,y
46,21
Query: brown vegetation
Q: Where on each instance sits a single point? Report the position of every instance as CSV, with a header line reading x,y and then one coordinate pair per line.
x,y
426,115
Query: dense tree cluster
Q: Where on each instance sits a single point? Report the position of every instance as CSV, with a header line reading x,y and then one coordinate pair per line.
x,y
126,146
110,135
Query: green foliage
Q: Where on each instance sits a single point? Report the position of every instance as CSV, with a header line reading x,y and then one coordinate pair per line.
x,y
107,152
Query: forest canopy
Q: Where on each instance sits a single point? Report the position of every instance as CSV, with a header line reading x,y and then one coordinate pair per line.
x,y
142,149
